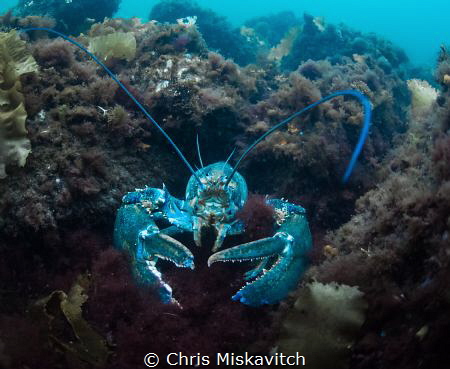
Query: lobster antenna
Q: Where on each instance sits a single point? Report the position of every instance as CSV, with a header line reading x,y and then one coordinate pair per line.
x,y
362,137
229,157
122,86
198,152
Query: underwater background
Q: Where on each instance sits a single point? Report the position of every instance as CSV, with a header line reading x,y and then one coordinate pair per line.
x,y
419,27
364,281
416,26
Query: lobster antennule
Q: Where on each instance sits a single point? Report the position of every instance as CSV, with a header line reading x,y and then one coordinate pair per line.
x,y
198,153
358,148
122,86
228,159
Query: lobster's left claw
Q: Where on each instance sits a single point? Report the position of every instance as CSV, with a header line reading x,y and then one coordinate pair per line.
x,y
270,286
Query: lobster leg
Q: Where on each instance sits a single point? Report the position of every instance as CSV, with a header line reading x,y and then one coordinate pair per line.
x,y
197,225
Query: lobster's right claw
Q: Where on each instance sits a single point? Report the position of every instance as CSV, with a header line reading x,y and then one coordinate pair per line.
x,y
272,285
136,232
161,246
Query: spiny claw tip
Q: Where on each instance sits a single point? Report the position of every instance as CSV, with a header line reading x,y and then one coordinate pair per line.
x,y
211,260
237,296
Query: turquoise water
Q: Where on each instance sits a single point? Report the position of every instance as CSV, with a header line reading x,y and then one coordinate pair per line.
x,y
419,27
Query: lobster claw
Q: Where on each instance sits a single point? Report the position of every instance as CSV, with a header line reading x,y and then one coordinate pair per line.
x,y
136,232
155,247
282,259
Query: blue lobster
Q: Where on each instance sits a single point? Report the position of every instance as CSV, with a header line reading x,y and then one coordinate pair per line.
x,y
214,194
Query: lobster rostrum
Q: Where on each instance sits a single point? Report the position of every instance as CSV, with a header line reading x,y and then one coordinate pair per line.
x,y
214,194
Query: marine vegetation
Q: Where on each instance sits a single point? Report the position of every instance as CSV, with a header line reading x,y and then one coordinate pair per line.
x,y
321,41
15,61
217,31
